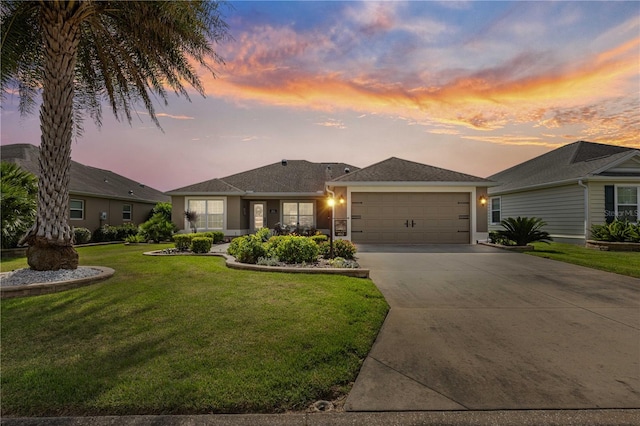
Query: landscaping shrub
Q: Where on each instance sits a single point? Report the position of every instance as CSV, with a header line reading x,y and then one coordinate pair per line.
x,y
18,202
201,244
183,241
295,249
268,261
616,231
81,235
126,230
523,230
114,233
158,228
104,233
134,239
164,208
319,238
324,249
496,238
247,249
344,248
216,236
264,234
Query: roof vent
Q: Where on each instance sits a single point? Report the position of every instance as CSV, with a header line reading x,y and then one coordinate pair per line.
x,y
106,180
142,185
328,166
130,192
284,162
347,170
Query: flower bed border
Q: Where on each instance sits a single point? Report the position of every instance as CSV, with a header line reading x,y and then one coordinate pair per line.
x,y
612,246
528,247
38,289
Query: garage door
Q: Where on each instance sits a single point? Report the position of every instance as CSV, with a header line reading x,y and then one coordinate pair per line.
x,y
410,218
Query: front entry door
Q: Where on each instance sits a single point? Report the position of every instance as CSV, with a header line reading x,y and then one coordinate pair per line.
x,y
258,215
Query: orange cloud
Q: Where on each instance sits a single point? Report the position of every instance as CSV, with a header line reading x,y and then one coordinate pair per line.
x,y
276,67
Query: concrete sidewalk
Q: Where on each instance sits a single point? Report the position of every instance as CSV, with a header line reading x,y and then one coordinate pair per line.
x,y
458,418
493,330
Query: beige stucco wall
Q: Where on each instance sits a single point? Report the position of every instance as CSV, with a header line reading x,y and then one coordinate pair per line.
x,y
94,206
177,212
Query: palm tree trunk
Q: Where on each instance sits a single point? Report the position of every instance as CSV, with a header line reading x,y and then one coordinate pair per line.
x,y
50,239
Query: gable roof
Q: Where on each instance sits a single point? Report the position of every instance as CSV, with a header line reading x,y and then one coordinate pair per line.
x,y
86,180
299,177
578,160
398,170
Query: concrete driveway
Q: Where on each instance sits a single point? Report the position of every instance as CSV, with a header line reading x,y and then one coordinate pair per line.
x,y
477,328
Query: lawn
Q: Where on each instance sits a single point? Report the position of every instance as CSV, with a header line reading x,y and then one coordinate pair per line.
x,y
625,263
184,335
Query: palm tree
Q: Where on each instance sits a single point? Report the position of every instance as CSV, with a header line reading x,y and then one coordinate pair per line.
x,y
18,190
524,230
77,54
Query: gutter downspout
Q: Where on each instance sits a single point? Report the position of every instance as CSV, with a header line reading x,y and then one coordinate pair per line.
x,y
586,209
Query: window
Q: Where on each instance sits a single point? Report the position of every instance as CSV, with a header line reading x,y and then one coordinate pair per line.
x,y
299,214
627,203
495,210
210,213
126,211
76,209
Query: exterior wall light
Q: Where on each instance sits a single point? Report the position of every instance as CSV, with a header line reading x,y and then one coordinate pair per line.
x,y
483,200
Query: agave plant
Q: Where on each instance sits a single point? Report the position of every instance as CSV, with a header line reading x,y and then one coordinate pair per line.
x,y
524,230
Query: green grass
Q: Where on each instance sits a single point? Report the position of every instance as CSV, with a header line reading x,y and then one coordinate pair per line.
x,y
184,335
625,263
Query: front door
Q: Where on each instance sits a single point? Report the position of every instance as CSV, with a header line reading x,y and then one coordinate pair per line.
x,y
258,215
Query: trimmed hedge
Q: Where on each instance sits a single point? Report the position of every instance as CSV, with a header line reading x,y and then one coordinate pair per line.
x,y
81,235
201,244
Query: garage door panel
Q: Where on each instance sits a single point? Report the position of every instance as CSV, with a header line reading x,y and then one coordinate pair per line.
x,y
431,217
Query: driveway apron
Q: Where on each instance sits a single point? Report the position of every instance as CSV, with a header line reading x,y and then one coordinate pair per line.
x,y
477,328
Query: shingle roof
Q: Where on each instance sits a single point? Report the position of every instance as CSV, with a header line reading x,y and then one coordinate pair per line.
x,y
570,162
86,180
399,170
297,176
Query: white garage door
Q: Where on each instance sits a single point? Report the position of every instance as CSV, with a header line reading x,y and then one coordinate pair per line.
x,y
410,218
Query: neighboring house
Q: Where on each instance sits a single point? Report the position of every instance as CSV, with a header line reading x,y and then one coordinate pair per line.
x,y
570,188
96,197
394,201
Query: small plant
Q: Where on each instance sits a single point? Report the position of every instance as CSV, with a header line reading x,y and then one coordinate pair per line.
x,y
81,235
524,230
340,262
201,244
264,234
319,238
134,239
496,238
182,241
268,261
192,218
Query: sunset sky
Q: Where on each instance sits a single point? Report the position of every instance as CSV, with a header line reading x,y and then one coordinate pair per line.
x,y
474,87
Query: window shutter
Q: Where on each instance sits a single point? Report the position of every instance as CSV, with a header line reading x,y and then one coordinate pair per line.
x,y
609,203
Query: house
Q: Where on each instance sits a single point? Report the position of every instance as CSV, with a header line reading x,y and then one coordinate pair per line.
x,y
394,201
96,197
570,188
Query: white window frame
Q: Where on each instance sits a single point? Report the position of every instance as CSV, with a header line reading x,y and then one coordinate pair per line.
x,y
206,228
129,212
491,210
81,209
637,205
298,202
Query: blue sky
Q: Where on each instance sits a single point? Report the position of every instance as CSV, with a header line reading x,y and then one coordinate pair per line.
x,y
470,86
